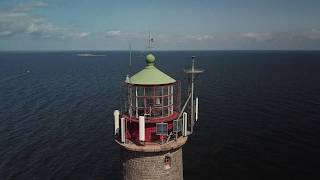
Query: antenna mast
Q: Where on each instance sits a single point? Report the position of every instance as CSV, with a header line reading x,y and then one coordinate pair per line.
x,y
150,41
130,64
192,72
130,57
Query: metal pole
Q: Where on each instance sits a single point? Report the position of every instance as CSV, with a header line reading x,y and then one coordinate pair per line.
x,y
192,87
130,58
149,42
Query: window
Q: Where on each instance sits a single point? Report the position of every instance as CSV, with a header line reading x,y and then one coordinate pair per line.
x,y
156,112
140,91
133,91
149,102
134,102
149,91
165,90
165,101
177,125
167,162
155,101
140,102
170,100
162,129
141,111
158,91
165,111
158,101
170,110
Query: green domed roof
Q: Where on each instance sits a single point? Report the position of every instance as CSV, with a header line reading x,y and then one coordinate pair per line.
x,y
150,75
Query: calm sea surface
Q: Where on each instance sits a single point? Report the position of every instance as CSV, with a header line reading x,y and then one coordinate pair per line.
x,y
259,114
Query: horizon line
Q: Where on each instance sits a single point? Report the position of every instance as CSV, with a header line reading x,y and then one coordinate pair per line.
x,y
87,50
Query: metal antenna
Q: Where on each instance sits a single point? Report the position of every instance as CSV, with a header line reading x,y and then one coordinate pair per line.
x,y
130,56
192,72
130,64
150,41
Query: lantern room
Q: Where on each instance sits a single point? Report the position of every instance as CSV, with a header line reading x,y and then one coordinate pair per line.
x,y
153,99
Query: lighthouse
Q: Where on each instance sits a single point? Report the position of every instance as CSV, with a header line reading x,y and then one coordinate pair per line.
x,y
155,124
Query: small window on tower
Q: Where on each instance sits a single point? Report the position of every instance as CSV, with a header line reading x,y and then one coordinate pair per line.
x,y
177,125
162,129
167,162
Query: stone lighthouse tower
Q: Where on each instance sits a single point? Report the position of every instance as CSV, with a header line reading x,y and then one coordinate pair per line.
x,y
154,124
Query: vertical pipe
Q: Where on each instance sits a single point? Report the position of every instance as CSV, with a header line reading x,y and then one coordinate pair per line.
x,y
137,109
123,130
116,114
197,108
141,128
162,103
130,100
171,104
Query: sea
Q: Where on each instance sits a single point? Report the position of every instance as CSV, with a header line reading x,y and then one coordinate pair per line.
x,y
259,113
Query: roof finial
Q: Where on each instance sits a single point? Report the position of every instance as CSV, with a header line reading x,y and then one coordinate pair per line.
x,y
150,59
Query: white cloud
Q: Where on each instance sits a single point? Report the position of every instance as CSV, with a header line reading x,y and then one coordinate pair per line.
x,y
27,7
21,21
125,35
200,37
39,27
259,37
5,33
113,33
83,34
313,34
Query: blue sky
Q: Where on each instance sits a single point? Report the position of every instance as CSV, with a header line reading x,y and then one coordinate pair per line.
x,y
175,25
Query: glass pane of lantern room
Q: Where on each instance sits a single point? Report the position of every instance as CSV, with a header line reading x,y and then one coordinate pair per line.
x,y
170,100
140,91
141,102
149,91
165,90
134,101
149,102
156,112
165,101
165,111
158,101
158,91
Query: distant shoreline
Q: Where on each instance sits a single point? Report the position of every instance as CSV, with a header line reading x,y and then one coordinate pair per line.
x,y
89,55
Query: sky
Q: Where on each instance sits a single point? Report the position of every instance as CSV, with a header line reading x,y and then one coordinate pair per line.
x,y
174,24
